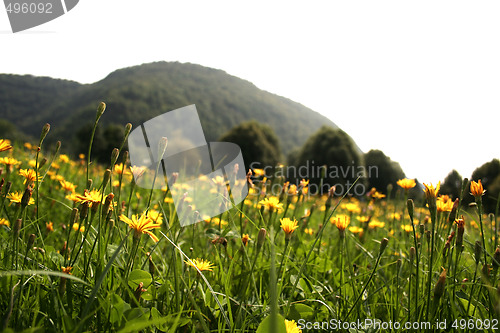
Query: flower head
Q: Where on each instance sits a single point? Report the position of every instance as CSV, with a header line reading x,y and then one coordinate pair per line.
x,y
8,161
444,203
5,145
288,226
431,192
406,183
49,226
67,186
291,326
141,225
4,222
201,264
91,197
66,270
245,238
271,203
17,198
476,189
341,223
121,169
29,175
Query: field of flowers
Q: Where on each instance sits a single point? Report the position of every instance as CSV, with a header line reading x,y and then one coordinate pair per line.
x,y
83,249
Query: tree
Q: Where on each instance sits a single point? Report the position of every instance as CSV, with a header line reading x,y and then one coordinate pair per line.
x,y
333,154
382,171
452,184
259,144
104,141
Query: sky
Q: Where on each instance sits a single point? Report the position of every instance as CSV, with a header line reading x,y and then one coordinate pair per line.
x,y
418,80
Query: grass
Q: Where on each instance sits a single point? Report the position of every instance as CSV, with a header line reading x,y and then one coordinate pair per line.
x,y
69,262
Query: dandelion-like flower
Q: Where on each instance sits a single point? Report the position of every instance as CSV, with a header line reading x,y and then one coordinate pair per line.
x,y
4,222
155,216
66,270
288,226
341,223
444,203
29,175
91,197
431,192
121,169
141,225
49,226
67,186
406,183
9,161
271,203
17,198
64,158
5,145
245,238
292,327
201,264
476,189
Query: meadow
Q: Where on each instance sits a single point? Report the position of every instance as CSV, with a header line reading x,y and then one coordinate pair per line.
x,y
83,249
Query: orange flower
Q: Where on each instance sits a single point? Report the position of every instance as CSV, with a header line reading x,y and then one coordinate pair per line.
x,y
29,175
406,183
49,226
341,223
476,189
5,145
67,186
288,226
141,225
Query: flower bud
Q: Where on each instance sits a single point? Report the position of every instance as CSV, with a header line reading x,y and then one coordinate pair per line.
x,y
114,156
128,128
31,241
42,162
45,131
410,206
478,250
453,213
107,204
439,287
383,245
26,197
100,110
107,176
261,237
413,253
89,183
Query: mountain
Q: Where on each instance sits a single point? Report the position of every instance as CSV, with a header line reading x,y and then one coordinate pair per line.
x,y
137,94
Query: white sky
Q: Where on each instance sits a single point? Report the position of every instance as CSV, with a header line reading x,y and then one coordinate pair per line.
x,y
417,80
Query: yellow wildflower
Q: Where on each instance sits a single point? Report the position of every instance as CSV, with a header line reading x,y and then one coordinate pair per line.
x,y
5,145
476,189
271,203
4,222
406,183
141,225
201,264
17,197
288,225
291,326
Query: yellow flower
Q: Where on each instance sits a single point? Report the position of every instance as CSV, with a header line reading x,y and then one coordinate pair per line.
x,y
291,326
81,156
476,189
92,197
201,264
431,192
245,238
406,183
49,226
259,172
77,227
271,203
378,195
17,197
64,158
407,227
67,186
28,145
155,216
309,231
121,169
66,270
304,183
29,175
288,225
444,203
219,181
4,222
376,224
356,230
8,161
141,225
5,145
292,190
341,223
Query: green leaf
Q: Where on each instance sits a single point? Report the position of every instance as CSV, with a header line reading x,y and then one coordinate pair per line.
x,y
137,276
265,325
298,311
